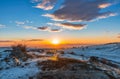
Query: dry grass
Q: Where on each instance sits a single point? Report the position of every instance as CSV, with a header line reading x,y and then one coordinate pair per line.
x,y
60,63
20,52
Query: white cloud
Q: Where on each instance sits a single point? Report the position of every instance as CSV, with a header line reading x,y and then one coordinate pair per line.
x,y
46,4
104,5
29,27
19,22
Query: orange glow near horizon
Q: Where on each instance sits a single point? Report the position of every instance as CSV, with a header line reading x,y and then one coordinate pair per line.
x,y
61,42
55,41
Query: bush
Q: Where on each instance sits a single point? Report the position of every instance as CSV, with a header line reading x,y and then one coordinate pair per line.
x,y
19,48
20,52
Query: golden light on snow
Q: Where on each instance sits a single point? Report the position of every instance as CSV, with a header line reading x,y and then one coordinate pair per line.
x,y
55,41
55,57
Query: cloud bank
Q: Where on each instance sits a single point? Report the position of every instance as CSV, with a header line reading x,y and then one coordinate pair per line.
x,y
72,13
81,10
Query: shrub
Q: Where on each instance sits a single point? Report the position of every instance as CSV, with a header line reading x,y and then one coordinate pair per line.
x,y
19,48
48,52
20,52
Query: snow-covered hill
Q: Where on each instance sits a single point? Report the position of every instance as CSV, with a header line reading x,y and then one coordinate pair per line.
x,y
15,67
109,51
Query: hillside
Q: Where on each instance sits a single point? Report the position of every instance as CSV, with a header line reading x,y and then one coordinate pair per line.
x,y
91,62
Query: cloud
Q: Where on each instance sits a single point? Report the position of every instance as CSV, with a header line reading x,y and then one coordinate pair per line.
x,y
55,30
43,28
104,5
81,10
33,1
27,21
19,22
118,35
29,27
6,41
35,40
71,26
46,4
23,22
2,26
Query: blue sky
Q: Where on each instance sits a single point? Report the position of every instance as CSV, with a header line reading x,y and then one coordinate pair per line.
x,y
80,20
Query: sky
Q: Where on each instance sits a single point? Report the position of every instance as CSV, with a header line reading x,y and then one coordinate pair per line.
x,y
38,22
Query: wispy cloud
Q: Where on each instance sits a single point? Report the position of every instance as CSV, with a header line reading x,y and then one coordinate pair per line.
x,y
118,35
6,41
69,25
36,40
2,26
23,22
29,27
34,1
46,28
104,5
28,21
55,30
43,28
45,4
19,22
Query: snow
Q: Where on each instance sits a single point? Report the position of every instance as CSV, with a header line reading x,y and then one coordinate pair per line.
x,y
21,72
16,73
110,51
4,48
74,57
10,71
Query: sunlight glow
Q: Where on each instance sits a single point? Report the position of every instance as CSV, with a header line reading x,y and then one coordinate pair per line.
x,y
55,41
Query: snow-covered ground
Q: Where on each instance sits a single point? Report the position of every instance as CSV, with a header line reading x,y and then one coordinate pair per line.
x,y
9,69
29,68
108,51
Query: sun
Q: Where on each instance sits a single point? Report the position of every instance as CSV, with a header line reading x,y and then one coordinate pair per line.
x,y
55,41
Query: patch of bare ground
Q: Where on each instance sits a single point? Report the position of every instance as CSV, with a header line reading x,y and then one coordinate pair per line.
x,y
65,68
